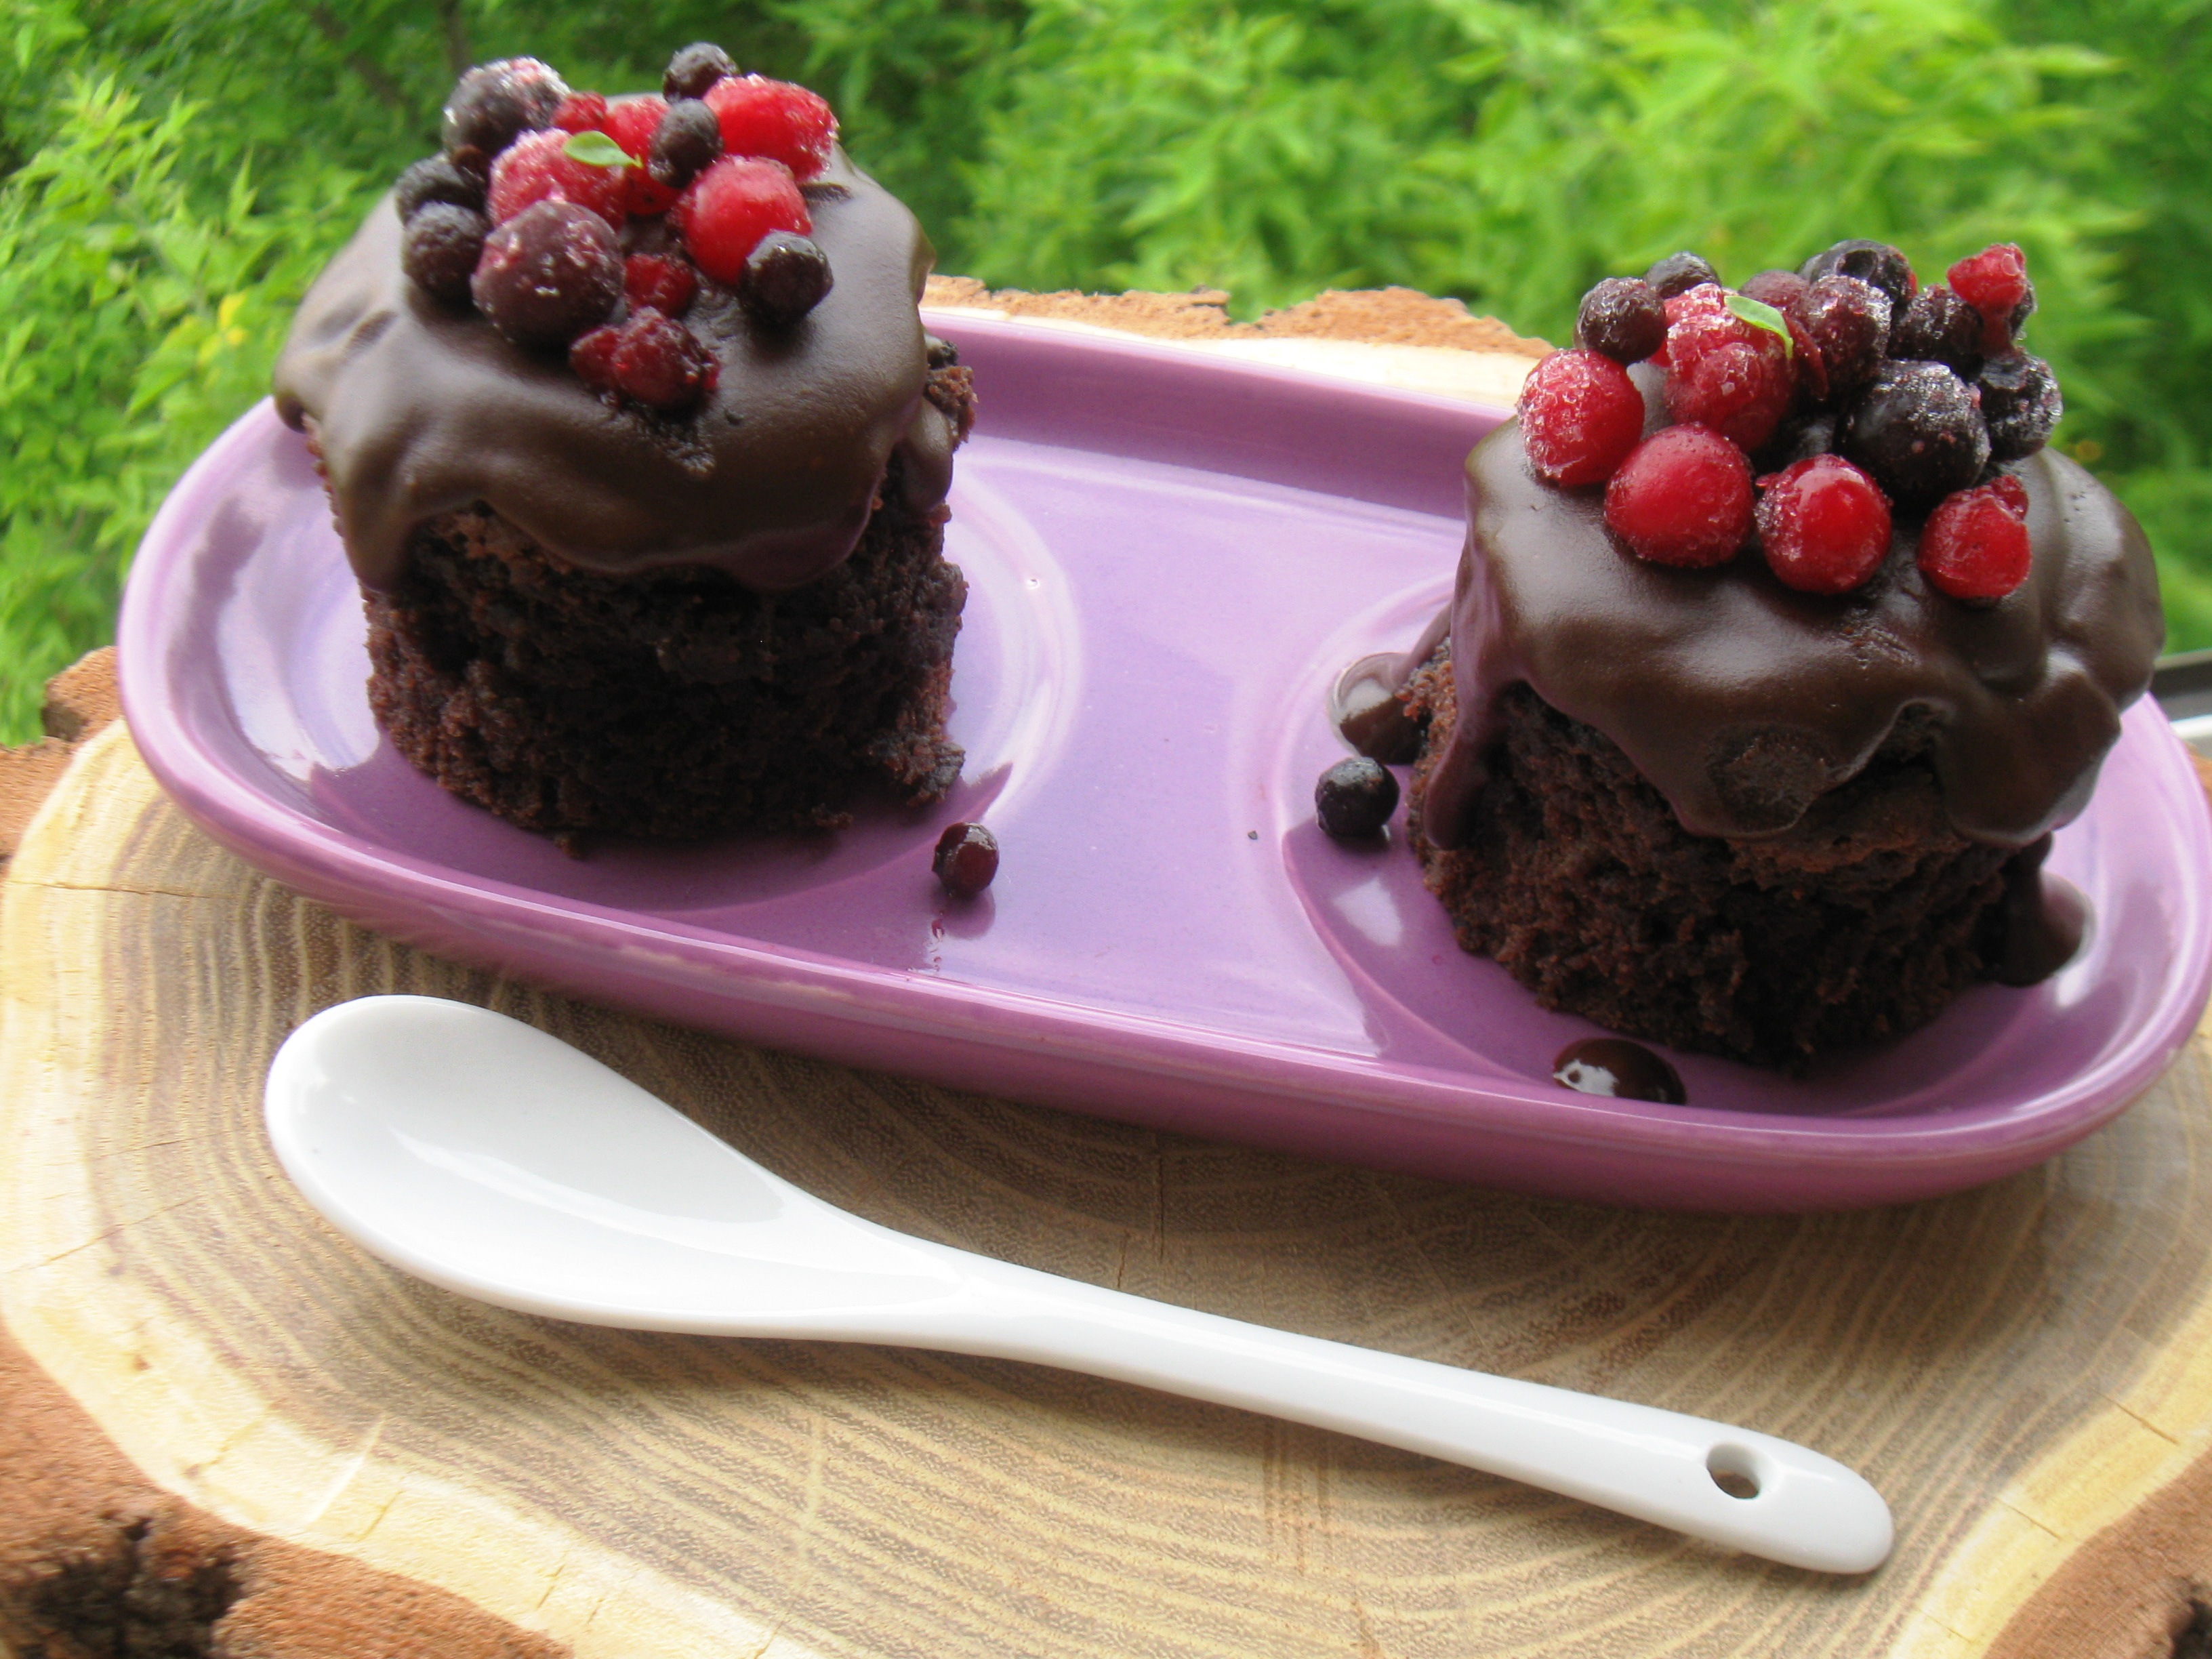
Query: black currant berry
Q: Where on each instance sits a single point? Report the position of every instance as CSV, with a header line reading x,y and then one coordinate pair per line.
x,y
687,139
1846,321
785,277
548,274
1355,798
2020,404
440,249
1624,317
695,69
1780,288
967,859
493,102
1939,327
435,179
1870,262
1917,428
1678,273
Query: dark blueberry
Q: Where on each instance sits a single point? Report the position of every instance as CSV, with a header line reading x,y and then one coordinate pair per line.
x,y
967,859
785,277
688,138
493,102
1779,288
1917,428
435,179
1847,321
943,354
695,69
1678,273
1870,262
440,249
2020,404
1624,317
548,274
1355,798
1939,327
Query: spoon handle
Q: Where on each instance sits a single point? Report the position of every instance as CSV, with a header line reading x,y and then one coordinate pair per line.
x,y
1797,1506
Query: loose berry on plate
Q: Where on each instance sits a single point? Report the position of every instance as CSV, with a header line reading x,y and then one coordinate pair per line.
x,y
967,859
1682,498
591,355
1974,545
658,362
548,273
1624,317
1939,327
1917,428
440,249
1724,371
435,179
1824,525
1870,262
1780,288
1846,321
537,168
786,275
687,141
774,119
631,123
1995,283
661,281
1580,415
2020,404
1354,799
581,112
1678,273
696,68
494,102
732,205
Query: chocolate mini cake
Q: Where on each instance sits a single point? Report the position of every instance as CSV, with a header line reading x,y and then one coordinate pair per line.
x,y
1707,796
641,456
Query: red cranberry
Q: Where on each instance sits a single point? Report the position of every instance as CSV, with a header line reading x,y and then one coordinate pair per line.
x,y
661,363
1354,799
967,859
1682,498
774,119
732,205
1995,283
1580,415
592,356
1824,525
665,283
1974,545
1624,317
548,274
581,112
537,168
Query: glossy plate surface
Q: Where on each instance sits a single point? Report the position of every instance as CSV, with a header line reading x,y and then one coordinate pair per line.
x,y
1170,557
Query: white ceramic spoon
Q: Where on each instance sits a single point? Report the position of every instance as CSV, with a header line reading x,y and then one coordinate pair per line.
x,y
491,1158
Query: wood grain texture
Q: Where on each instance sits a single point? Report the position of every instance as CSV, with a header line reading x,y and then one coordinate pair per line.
x,y
2018,1367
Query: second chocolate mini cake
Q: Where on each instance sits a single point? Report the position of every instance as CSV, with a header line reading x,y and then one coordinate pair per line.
x,y
1773,794
641,455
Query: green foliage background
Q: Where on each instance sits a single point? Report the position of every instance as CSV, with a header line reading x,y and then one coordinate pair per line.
x,y
173,173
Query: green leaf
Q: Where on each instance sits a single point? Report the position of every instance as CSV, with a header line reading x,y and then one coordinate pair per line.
x,y
1759,314
596,150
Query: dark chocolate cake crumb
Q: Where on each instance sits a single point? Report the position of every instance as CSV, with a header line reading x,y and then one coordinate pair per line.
x,y
1861,923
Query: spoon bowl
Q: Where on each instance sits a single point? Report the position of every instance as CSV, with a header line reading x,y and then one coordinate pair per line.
x,y
491,1158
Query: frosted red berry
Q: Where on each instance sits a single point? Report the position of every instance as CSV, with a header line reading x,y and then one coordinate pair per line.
x,y
776,120
1580,415
548,274
732,205
966,860
1682,498
659,282
1624,317
537,168
1995,283
1975,545
1824,525
658,362
631,123
592,356
581,112
1724,372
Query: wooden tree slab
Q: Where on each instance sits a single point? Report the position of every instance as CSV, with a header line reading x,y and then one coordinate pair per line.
x,y
2026,1370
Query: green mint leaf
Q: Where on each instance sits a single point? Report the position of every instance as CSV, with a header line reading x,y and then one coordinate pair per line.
x,y
596,150
1759,314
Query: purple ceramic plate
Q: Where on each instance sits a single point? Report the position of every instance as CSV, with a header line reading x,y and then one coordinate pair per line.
x,y
1169,558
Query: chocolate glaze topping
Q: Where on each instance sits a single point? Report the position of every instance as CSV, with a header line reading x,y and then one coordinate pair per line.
x,y
418,408
1742,699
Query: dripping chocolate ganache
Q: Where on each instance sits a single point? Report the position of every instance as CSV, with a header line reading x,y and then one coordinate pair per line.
x,y
640,454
